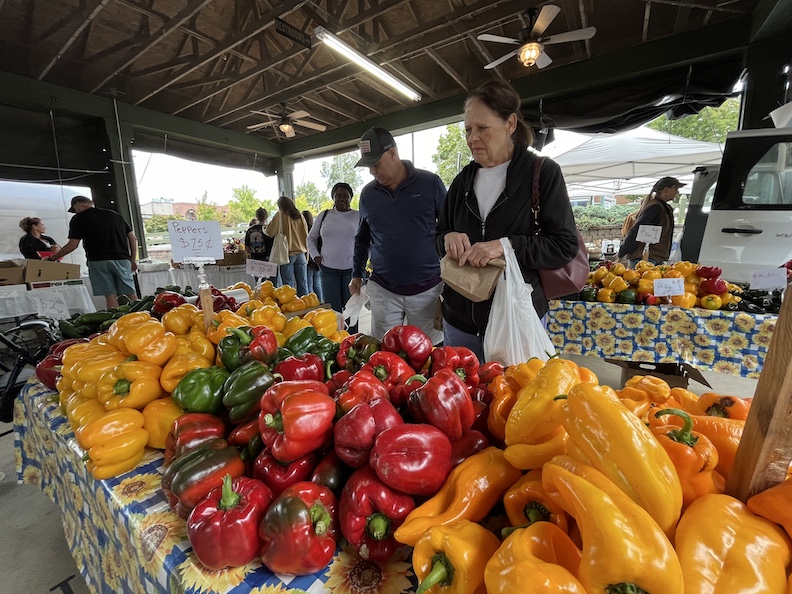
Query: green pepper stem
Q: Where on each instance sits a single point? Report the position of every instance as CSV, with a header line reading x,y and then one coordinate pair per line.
x,y
685,434
417,376
274,421
561,397
505,532
381,373
244,338
536,512
378,526
320,518
442,573
121,387
624,588
229,498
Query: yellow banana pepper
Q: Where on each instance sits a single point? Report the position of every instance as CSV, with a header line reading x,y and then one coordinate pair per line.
x,y
180,319
179,366
158,417
615,442
114,443
624,550
527,456
296,304
526,503
150,342
132,384
116,335
221,322
469,493
323,320
284,294
294,324
451,559
269,316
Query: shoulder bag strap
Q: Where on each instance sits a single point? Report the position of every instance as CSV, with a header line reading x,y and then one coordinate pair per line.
x,y
535,193
319,231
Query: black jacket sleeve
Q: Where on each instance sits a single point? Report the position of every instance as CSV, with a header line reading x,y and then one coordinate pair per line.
x,y
28,246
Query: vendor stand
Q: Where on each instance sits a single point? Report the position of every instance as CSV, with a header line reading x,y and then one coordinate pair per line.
x,y
19,302
733,342
218,276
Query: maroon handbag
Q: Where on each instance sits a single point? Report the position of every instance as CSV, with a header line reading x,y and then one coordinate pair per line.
x,y
570,278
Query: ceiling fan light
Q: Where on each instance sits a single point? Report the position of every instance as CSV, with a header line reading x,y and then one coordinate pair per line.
x,y
286,128
529,53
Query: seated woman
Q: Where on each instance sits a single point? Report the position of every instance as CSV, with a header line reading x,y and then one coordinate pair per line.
x,y
34,245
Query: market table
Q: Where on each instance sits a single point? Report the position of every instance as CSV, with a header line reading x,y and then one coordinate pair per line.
x,y
17,303
218,276
733,342
123,536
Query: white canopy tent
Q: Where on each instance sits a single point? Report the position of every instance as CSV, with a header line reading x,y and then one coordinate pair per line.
x,y
630,162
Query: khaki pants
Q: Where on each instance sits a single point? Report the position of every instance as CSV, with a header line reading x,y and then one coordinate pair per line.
x,y
389,309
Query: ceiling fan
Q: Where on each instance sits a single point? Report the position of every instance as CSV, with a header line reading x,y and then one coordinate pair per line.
x,y
531,51
286,121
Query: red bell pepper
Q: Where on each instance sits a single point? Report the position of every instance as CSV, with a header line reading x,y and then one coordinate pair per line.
x,y
166,301
461,360
299,530
363,386
709,271
297,418
714,286
470,443
277,475
263,346
410,343
443,401
224,528
401,393
247,438
356,432
220,301
48,370
190,430
332,472
413,458
481,393
337,380
369,511
306,367
342,357
489,371
389,368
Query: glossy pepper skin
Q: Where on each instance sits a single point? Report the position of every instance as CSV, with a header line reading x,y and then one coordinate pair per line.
x,y
359,351
158,417
719,405
179,366
369,511
244,389
443,401
231,347
389,368
724,548
166,301
400,394
114,442
278,475
460,360
190,430
526,503
470,443
150,342
224,527
363,386
296,418
412,458
469,493
504,390
355,433
180,319
453,558
541,554
201,390
48,370
132,384
332,472
343,348
623,547
304,367
263,346
409,343
773,504
299,530
615,442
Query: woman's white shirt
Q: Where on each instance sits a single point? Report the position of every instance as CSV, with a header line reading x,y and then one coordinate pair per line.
x,y
488,185
338,231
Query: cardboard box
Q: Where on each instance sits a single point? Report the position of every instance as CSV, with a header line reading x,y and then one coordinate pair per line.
x,y
675,375
50,284
44,270
11,273
232,259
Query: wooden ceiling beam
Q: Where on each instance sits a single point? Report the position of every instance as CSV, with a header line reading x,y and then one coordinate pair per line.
x,y
330,107
84,20
448,69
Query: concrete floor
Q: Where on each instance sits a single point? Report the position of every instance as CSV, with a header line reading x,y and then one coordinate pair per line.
x,y
33,551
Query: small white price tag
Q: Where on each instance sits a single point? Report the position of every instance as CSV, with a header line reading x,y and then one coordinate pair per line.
x,y
649,233
50,304
770,278
666,287
260,268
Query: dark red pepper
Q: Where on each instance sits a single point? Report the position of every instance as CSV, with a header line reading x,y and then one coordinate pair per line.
x,y
356,432
247,438
332,472
369,511
166,301
224,528
278,475
363,386
389,368
413,458
489,371
306,367
709,271
263,346
299,530
401,393
342,357
410,343
358,354
48,370
470,443
190,430
337,380
443,401
461,360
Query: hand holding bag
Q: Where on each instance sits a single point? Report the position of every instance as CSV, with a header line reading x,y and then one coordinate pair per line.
x,y
280,245
514,332
477,283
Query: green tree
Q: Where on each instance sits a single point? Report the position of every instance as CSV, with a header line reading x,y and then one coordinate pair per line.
x,y
159,223
207,211
711,124
242,207
452,153
309,195
341,169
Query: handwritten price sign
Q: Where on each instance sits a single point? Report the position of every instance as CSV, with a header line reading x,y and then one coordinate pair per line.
x,y
666,287
771,278
50,304
195,239
260,268
649,233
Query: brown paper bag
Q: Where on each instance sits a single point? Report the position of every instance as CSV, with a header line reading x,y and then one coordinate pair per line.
x,y
477,284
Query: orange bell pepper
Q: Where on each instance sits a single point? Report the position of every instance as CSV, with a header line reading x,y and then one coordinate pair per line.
x,y
686,300
718,405
117,334
774,504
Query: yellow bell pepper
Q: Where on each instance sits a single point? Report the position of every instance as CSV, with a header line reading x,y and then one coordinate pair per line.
x,y
541,555
158,417
80,411
339,336
116,335
686,300
296,304
615,442
527,503
294,324
221,322
115,442
77,353
246,309
685,267
623,547
90,369
280,338
323,320
725,549
528,456
246,287
451,559
284,294
179,366
180,319
469,493
269,316
150,342
264,290
195,342
132,384
311,300
599,274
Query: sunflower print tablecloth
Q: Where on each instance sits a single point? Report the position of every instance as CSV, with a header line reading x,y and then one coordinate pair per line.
x,y
722,341
124,538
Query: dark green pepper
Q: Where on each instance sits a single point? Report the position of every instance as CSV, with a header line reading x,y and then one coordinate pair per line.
x,y
201,390
360,351
230,348
302,341
244,389
326,349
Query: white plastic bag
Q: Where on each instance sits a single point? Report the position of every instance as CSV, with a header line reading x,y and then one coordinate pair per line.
x,y
354,305
514,332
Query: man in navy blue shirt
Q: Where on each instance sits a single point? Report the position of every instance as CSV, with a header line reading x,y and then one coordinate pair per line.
x,y
398,218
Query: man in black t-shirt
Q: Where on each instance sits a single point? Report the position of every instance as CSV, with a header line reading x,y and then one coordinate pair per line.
x,y
110,248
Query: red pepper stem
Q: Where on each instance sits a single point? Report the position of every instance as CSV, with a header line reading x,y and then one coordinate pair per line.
x,y
381,373
442,573
274,421
121,387
320,518
229,498
624,588
244,337
685,434
378,526
461,373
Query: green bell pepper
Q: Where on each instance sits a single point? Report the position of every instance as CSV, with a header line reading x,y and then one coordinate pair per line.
x,y
302,341
244,389
230,348
326,349
201,390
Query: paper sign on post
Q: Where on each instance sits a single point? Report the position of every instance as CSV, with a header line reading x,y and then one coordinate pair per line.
x,y
666,287
770,278
195,239
260,268
649,233
50,304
